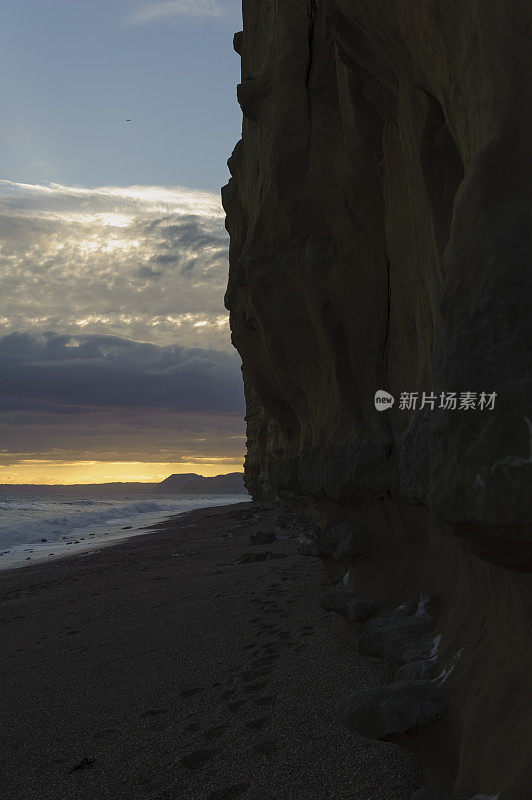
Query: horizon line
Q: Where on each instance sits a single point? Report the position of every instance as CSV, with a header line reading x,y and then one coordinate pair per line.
x,y
128,483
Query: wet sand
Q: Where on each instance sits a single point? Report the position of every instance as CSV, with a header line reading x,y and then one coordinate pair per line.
x,y
158,669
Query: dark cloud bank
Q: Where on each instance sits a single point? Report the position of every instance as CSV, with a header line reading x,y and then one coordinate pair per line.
x,y
57,373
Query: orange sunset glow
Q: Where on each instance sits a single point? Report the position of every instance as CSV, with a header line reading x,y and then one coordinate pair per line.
x,y
70,472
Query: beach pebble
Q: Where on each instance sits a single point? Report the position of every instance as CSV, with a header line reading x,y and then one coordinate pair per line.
x,y
415,671
246,558
309,546
83,764
262,537
386,711
396,636
249,558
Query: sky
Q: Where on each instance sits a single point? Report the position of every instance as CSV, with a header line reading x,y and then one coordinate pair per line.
x,y
115,354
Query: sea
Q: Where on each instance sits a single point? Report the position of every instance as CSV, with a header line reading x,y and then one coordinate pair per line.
x,y
37,527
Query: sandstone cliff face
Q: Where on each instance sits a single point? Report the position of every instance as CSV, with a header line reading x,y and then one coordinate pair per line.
x,y
379,214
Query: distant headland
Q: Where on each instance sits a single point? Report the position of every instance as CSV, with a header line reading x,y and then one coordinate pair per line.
x,y
183,483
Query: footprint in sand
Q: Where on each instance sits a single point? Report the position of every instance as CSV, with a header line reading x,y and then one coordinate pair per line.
x,y
257,724
190,692
192,728
196,760
256,687
154,712
229,792
268,632
262,659
83,764
270,647
215,731
266,661
254,674
265,700
233,707
106,732
263,748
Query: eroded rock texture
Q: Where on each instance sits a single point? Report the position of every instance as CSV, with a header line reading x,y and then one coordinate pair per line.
x,y
379,214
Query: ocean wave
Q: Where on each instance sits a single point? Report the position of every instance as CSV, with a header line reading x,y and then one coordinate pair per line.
x,y
26,523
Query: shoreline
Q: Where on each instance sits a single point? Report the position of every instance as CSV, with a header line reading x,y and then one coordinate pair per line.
x,y
106,534
168,667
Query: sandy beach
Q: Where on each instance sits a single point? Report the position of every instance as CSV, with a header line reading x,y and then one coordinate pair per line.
x,y
160,669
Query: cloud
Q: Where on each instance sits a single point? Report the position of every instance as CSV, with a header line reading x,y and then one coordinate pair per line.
x,y
141,262
125,435
140,366
168,9
56,196
105,398
63,374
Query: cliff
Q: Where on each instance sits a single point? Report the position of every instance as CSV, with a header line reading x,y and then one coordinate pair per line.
x,y
378,211
232,483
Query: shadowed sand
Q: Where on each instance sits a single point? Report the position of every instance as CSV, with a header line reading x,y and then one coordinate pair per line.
x,y
158,669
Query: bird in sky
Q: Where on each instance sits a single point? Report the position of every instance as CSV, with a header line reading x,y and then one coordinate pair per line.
x,y
129,120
